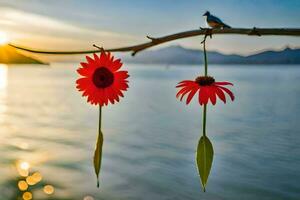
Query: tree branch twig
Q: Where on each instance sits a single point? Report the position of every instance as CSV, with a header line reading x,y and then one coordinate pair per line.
x,y
157,41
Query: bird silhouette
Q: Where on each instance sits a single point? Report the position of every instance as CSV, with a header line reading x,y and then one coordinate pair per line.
x,y
214,22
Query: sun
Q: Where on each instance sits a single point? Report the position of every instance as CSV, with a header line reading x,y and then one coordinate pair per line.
x,y
3,38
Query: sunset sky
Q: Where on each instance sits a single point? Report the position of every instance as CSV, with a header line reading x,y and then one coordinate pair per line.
x,y
77,24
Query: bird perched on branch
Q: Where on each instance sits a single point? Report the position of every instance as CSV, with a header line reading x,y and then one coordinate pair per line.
x,y
214,22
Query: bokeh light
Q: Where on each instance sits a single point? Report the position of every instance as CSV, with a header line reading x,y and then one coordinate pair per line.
x,y
27,196
30,180
37,177
48,189
22,185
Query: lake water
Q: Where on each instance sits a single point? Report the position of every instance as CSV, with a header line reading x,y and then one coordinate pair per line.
x,y
150,136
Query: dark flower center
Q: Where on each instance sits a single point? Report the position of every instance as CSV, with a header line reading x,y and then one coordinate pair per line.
x,y
103,77
204,80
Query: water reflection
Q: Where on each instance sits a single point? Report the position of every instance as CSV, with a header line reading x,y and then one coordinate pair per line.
x,y
3,76
20,144
29,184
48,130
3,85
28,162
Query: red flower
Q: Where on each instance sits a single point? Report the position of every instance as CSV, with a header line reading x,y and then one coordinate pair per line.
x,y
101,81
208,89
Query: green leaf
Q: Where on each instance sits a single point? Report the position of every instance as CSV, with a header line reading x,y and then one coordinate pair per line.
x,y
204,158
98,156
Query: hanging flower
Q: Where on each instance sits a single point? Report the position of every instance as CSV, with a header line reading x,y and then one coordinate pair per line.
x,y
101,81
207,87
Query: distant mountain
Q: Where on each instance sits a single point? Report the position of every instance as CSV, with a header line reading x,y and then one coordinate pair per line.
x,y
180,55
9,55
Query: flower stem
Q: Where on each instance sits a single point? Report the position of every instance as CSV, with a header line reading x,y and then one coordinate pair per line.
x,y
98,150
100,116
205,57
204,120
205,74
99,135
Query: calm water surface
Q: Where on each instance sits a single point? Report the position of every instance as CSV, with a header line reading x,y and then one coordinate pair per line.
x,y
150,137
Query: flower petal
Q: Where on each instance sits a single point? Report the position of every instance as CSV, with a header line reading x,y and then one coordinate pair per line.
x,y
191,95
203,95
96,57
83,82
121,75
110,95
84,64
119,92
100,96
116,65
85,71
183,90
220,94
228,92
90,60
223,83
185,83
212,94
103,58
189,89
116,97
105,96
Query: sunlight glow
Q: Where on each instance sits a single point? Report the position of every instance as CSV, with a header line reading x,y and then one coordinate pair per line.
x,y
24,165
3,38
23,168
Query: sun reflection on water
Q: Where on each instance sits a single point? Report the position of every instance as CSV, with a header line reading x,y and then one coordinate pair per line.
x,y
3,85
23,168
30,181
3,76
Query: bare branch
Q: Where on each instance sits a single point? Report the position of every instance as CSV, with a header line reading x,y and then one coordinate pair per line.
x,y
157,41
100,48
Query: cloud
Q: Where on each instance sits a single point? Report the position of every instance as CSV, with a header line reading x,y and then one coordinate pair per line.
x,y
29,27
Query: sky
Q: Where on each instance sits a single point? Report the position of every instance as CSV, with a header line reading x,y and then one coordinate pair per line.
x,y
77,24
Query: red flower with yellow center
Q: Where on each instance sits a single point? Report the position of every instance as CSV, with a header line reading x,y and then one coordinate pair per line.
x,y
101,81
207,88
